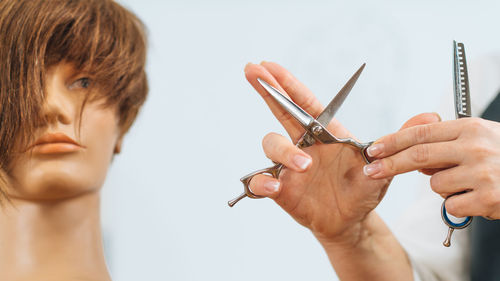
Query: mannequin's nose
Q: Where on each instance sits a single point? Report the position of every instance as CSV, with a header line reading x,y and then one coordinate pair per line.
x,y
57,106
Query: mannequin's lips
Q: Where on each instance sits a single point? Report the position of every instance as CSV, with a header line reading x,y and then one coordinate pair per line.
x,y
55,143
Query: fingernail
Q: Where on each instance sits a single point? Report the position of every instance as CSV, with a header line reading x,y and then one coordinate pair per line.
x,y
375,149
372,169
438,116
272,186
246,66
301,161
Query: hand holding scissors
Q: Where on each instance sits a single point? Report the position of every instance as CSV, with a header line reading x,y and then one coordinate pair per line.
x,y
332,196
315,129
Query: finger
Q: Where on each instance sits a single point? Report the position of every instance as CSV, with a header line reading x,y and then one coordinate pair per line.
x,y
297,91
254,71
419,134
453,180
375,150
280,149
420,156
421,119
302,96
465,204
264,185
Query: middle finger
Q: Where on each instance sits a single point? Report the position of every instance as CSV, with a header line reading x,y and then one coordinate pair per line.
x,y
453,180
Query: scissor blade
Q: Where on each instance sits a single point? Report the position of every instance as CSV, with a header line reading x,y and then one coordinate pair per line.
x,y
461,85
298,113
326,116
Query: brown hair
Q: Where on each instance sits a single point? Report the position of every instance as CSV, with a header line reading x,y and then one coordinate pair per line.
x,y
97,36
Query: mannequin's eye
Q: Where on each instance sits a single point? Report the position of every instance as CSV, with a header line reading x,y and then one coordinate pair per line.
x,y
82,83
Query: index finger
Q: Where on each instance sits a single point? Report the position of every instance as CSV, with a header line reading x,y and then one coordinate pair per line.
x,y
416,135
282,80
302,96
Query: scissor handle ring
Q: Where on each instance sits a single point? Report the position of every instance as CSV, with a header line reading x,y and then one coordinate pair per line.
x,y
364,153
448,222
273,171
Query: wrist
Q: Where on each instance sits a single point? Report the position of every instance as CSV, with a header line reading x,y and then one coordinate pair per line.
x,y
355,236
367,250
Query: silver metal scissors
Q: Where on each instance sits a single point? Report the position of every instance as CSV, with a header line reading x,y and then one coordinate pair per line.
x,y
315,130
462,109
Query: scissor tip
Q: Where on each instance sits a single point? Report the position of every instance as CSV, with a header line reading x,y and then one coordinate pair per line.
x,y
263,83
358,72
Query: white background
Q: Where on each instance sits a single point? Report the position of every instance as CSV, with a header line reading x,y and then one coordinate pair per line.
x,y
165,215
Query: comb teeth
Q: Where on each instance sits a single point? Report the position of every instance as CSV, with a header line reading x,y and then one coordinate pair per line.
x,y
464,85
462,95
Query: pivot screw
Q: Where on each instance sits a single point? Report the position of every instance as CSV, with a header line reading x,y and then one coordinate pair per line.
x,y
317,130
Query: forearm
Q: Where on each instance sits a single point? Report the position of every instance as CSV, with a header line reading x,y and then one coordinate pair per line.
x,y
370,252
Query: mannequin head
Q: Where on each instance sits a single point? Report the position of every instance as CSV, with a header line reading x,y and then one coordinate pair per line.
x,y
72,83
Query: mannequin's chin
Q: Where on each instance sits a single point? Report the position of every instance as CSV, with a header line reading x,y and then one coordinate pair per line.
x,y
56,178
53,187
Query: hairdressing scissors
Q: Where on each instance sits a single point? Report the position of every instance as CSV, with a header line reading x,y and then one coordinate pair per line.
x,y
315,130
462,109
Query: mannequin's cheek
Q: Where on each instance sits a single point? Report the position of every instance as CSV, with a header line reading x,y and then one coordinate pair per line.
x,y
100,154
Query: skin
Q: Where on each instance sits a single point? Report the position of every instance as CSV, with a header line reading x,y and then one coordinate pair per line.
x,y
324,187
460,155
51,231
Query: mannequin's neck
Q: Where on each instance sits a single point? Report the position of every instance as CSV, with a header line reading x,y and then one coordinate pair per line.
x,y
52,240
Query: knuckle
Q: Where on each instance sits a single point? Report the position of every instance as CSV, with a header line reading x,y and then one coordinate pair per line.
x,y
480,149
486,175
489,198
388,165
492,210
422,133
391,143
475,125
284,117
420,153
489,215
288,84
308,102
460,150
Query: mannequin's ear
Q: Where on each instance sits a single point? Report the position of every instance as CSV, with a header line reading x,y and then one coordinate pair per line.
x,y
118,145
